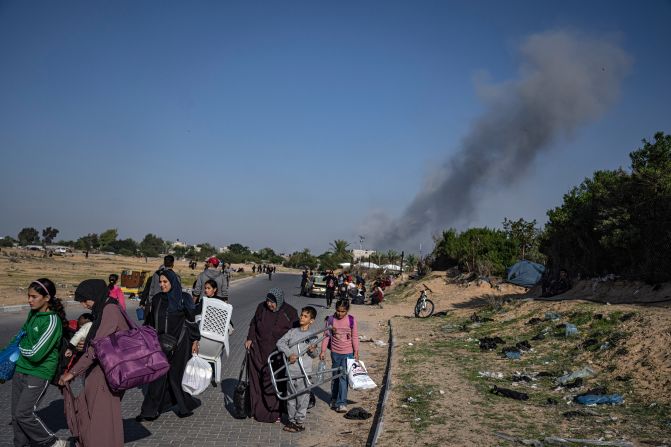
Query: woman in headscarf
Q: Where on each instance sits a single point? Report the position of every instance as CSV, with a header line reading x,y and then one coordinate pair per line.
x,y
273,318
172,313
101,424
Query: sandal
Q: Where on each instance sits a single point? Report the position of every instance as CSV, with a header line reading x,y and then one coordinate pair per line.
x,y
300,427
291,428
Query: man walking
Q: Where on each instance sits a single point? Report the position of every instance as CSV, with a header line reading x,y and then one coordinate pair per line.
x,y
211,272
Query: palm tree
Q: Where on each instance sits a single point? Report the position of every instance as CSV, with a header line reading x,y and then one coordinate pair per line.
x,y
376,258
411,261
339,249
392,256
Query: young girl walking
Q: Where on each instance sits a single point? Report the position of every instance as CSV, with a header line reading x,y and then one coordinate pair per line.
x,y
343,342
37,364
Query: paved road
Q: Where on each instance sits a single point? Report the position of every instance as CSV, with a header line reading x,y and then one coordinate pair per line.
x,y
212,424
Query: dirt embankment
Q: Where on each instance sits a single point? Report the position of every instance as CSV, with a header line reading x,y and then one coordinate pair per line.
x,y
440,397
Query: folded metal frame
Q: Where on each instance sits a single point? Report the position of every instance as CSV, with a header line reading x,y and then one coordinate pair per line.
x,y
276,375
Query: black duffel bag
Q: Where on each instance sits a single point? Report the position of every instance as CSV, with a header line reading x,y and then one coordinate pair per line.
x,y
241,397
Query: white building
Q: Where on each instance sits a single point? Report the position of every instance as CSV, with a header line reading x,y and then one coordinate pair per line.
x,y
361,254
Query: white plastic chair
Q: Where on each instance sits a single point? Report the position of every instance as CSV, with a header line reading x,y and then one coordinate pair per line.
x,y
214,322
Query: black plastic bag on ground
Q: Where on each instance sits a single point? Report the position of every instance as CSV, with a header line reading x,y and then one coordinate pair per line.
x,y
357,413
241,397
505,392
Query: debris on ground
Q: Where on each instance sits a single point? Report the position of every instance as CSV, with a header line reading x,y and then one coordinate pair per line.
x,y
491,374
599,399
512,394
581,373
489,343
577,383
511,353
549,316
523,345
357,413
379,343
518,377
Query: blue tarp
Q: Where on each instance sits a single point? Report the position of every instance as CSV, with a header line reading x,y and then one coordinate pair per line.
x,y
525,273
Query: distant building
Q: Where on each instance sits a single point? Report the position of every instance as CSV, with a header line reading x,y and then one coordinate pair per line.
x,y
223,249
178,243
361,254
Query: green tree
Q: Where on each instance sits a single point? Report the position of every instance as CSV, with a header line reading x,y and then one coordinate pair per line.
x,y
524,234
28,236
107,238
302,259
482,250
339,248
151,245
206,251
376,258
125,247
7,241
87,243
392,256
48,235
239,249
617,221
411,262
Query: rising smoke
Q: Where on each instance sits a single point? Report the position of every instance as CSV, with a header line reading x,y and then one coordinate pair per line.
x,y
566,81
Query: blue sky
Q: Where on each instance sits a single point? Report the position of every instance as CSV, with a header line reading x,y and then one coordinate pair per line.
x,y
285,124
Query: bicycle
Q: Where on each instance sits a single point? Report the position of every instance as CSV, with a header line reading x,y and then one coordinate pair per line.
x,y
424,306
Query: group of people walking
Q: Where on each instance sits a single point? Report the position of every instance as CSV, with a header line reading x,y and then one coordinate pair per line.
x,y
171,312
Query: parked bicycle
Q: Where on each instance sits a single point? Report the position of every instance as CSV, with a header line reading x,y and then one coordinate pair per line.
x,y
424,306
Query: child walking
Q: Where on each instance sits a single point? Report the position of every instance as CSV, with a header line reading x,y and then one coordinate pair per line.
x,y
343,342
37,364
298,406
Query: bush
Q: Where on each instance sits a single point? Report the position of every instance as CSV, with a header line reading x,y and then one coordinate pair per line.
x,y
617,221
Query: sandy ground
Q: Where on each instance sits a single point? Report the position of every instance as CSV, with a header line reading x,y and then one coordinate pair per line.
x,y
19,267
462,414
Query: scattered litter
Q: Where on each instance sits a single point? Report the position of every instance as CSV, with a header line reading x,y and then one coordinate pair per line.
x,y
489,343
570,330
599,399
626,378
418,419
540,336
582,373
505,392
517,377
441,392
442,313
418,339
523,345
597,317
475,318
379,343
577,383
357,413
346,432
491,374
511,353
604,346
411,399
551,401
410,344
544,374
549,316
534,320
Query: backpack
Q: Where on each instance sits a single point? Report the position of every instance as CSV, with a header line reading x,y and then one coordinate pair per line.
x,y
329,322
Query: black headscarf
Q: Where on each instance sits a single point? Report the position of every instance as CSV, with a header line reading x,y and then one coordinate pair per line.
x,y
95,290
177,301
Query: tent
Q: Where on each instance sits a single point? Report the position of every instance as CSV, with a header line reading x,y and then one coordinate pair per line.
x,y
368,265
525,273
392,267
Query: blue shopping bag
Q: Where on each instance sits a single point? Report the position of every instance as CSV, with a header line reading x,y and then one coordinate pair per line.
x,y
8,358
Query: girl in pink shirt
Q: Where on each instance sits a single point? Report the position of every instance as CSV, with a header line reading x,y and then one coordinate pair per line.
x,y
343,342
115,291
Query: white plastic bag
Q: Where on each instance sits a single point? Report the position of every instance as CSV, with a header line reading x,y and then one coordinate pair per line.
x,y
197,376
357,376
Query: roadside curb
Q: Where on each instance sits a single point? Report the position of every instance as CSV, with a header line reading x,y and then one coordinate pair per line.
x,y
378,422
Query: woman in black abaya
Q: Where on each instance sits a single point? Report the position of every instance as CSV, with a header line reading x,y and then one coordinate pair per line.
x,y
171,312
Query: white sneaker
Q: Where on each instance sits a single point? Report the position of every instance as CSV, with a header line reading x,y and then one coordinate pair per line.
x,y
60,443
342,409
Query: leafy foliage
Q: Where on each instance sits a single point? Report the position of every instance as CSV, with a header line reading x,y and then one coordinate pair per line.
x,y
28,235
151,245
617,221
107,238
302,259
482,250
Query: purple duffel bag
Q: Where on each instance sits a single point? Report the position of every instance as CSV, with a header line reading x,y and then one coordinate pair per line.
x,y
131,358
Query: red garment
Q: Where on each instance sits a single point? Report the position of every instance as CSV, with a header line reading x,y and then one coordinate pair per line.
x,y
118,295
